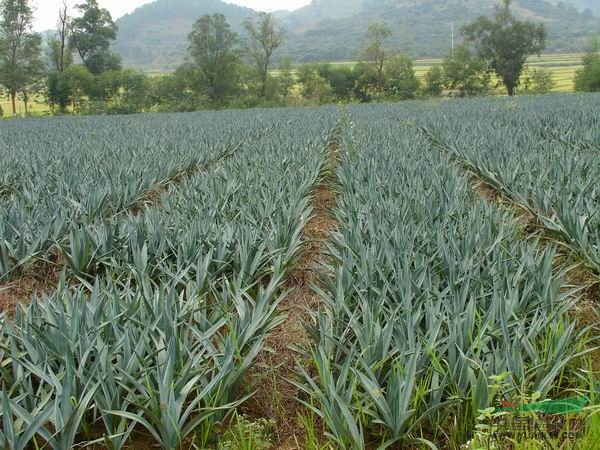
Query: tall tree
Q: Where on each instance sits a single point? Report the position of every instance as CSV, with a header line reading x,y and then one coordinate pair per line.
x,y
465,73
312,85
214,49
20,48
434,81
61,54
401,83
505,43
377,33
92,35
71,87
587,79
265,38
285,80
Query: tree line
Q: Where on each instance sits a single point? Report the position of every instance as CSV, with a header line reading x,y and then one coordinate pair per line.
x,y
78,73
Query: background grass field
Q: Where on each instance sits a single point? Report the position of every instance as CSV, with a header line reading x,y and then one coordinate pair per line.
x,y
562,67
36,107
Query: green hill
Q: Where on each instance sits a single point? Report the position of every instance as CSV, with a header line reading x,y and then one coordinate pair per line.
x,y
421,27
592,5
154,36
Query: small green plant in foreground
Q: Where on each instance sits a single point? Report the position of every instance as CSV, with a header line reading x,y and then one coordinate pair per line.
x,y
520,428
245,434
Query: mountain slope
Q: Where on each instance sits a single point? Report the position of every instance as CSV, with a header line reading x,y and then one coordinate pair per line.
x,y
592,5
154,36
423,27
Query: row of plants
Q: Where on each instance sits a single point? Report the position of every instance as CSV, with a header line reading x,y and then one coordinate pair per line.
x,y
58,172
161,313
233,219
435,307
542,154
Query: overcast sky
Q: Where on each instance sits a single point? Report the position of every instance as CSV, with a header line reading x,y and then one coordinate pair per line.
x,y
47,10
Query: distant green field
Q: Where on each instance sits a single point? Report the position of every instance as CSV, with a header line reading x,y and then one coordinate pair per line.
x,y
562,67
37,106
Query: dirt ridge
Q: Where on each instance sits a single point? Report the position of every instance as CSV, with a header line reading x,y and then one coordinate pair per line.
x,y
42,276
276,396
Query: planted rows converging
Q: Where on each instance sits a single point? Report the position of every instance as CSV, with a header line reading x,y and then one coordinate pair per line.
x,y
542,155
168,307
64,172
179,237
435,305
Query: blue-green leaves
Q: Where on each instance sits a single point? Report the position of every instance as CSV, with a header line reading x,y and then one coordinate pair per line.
x,y
162,309
431,292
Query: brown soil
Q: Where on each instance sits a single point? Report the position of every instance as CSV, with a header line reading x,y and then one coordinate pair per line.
x,y
483,190
41,279
276,396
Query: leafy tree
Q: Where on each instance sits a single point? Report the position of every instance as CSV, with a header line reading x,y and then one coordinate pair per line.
x,y
367,82
285,80
35,87
434,81
214,48
377,33
538,81
92,35
265,38
312,85
465,73
81,82
107,86
136,91
20,49
401,82
506,43
181,91
121,92
341,80
587,79
61,52
72,87
58,92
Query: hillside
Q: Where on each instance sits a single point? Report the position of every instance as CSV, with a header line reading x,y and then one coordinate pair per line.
x,y
422,27
592,5
154,36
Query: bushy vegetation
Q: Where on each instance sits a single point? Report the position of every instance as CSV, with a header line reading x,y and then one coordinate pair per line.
x,y
163,308
437,307
587,79
226,70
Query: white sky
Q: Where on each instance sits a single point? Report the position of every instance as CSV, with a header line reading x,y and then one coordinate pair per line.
x,y
46,13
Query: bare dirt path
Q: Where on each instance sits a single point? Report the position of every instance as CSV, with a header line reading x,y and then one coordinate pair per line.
x,y
276,397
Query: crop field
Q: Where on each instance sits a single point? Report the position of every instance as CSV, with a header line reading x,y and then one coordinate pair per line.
x,y
561,66
372,276
37,106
